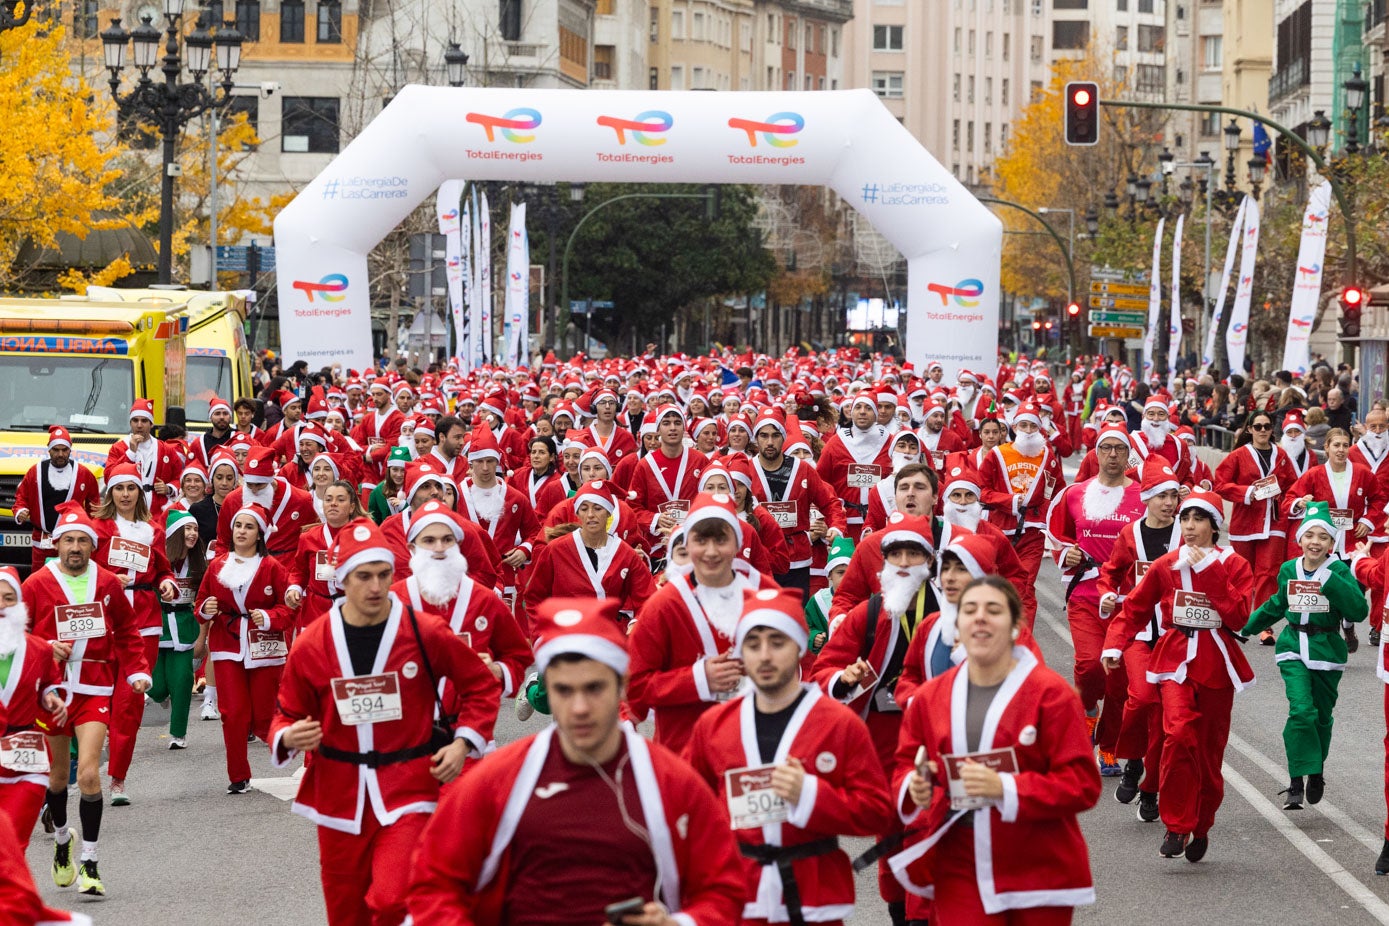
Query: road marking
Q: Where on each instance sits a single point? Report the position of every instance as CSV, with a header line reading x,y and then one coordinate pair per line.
x,y
284,788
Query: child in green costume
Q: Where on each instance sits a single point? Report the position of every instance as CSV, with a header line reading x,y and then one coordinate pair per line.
x,y
180,633
817,609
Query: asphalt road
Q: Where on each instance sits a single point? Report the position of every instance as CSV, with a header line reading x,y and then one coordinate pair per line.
x,y
184,852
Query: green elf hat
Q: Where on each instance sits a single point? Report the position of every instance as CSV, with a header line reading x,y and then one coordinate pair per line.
x,y
176,520
841,551
1318,514
399,456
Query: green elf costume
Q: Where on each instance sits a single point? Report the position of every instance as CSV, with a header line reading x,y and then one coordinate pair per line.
x,y
173,671
1314,598
379,505
817,609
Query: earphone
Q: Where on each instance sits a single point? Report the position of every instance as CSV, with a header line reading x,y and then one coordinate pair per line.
x,y
1016,633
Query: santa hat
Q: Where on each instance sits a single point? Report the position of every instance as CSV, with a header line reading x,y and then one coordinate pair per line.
x,y
122,472
564,410
1157,400
907,528
176,520
72,516
598,492
10,576
739,468
976,553
142,408
218,403
318,405
779,609
1187,434
587,627
1208,502
867,397
419,473
434,512
333,461
482,443
422,425
1113,432
1028,412
665,410
358,543
795,437
714,507
238,440
961,477
381,384
932,409
222,457
494,403
313,432
402,387
1293,419
1317,514
260,465
258,514
58,436
739,421
194,468
770,418
1157,477
398,457
841,552
596,453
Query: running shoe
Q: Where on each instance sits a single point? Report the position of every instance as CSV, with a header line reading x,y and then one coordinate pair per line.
x,y
46,818
238,787
1128,784
1148,806
89,880
1092,721
1374,637
1109,765
1382,863
118,796
177,742
1173,844
1316,787
1196,849
1293,800
524,709
64,873
210,711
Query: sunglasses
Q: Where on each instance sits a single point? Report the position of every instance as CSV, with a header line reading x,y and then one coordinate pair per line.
x,y
1261,427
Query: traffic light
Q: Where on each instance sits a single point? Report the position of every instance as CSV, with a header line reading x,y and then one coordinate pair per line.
x,y
1352,302
1082,113
1036,325
1073,309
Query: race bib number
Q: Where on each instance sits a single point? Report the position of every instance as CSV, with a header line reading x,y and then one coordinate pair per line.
x,y
322,569
80,621
1305,595
864,475
1266,488
267,644
466,637
783,512
938,459
1193,610
186,591
1140,569
677,509
1135,461
25,753
367,698
751,801
815,514
1000,760
1048,485
1343,519
128,554
45,542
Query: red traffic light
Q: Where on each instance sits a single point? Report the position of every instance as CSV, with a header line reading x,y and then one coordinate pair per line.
x,y
1081,97
1073,309
1353,296
1082,116
1036,326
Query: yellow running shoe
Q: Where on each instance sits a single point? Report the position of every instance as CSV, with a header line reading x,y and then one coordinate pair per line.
x,y
89,881
64,872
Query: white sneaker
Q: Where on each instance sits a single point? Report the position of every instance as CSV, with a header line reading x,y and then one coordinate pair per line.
x,y
178,742
524,709
210,711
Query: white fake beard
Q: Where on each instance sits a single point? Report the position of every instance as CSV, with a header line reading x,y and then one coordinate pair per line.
x,y
1100,502
963,515
262,493
1293,445
900,590
675,569
237,573
1377,443
487,503
1030,444
966,394
900,460
723,606
13,622
438,579
1156,433
1009,414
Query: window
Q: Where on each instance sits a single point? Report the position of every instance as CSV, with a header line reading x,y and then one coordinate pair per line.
x,y
677,78
215,12
653,79
988,91
697,32
1210,124
603,56
1070,36
509,21
696,78
291,21
955,138
329,23
248,19
1151,38
957,40
969,137
988,137
809,82
655,26
1121,38
771,78
1036,49
834,41
888,84
790,80
971,43
84,21
955,88
1003,92
309,124
1122,6
242,103
1211,48
1068,4
791,32
1145,6
1034,91
1007,45
969,95
988,44
1003,136
887,38
1151,78
822,83
745,36
809,37
677,24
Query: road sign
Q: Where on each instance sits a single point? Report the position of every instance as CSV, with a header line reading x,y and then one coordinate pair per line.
x,y
1118,302
237,258
1136,319
1118,289
1115,331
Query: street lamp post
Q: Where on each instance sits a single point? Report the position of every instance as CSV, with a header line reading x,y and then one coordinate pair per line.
x,y
172,105
456,65
1355,98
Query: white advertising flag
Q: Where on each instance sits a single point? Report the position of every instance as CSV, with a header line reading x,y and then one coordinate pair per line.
x,y
1154,302
476,332
1237,335
484,260
518,290
1302,308
446,204
1174,325
1208,354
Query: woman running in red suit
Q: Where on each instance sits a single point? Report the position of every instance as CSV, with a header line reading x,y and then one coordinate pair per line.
x,y
312,590
1254,477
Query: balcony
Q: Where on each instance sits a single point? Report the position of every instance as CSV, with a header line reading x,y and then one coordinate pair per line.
x,y
1288,79
835,10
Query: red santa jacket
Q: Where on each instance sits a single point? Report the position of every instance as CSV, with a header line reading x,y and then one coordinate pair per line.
x,y
484,562
765,546
232,635
33,673
1038,715
1120,573
936,633
1068,525
844,794
791,510
20,901
29,500
853,464
512,442
290,509
563,569
91,668
1028,505
619,444
465,881
143,593
331,792
512,530
1373,573
1363,456
649,490
1359,500
628,527
938,445
669,643
482,620
1211,658
166,465
311,573
1253,519
525,482
378,433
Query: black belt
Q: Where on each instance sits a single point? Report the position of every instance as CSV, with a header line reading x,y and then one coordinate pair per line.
x,y
1312,630
376,758
141,587
782,857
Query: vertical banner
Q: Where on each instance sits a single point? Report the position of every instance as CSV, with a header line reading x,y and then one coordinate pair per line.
x,y
446,204
1154,302
1174,325
1237,335
1302,308
1208,353
485,339
518,290
475,330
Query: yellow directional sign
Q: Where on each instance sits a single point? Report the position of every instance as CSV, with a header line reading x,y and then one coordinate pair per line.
x,y
1115,331
1118,302
1118,289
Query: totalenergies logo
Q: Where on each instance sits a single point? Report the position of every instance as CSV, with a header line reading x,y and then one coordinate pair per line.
x,y
965,292
522,118
331,288
774,129
644,127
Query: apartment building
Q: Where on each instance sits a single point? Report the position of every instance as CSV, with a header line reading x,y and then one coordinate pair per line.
x,y
1245,66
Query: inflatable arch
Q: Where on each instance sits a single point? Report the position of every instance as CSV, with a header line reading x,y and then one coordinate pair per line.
x,y
846,140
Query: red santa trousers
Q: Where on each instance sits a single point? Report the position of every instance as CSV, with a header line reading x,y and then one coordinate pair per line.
x,y
1264,557
1196,726
127,708
246,698
1140,735
366,877
884,729
1092,682
1386,757
20,803
1030,547
957,890
1377,592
